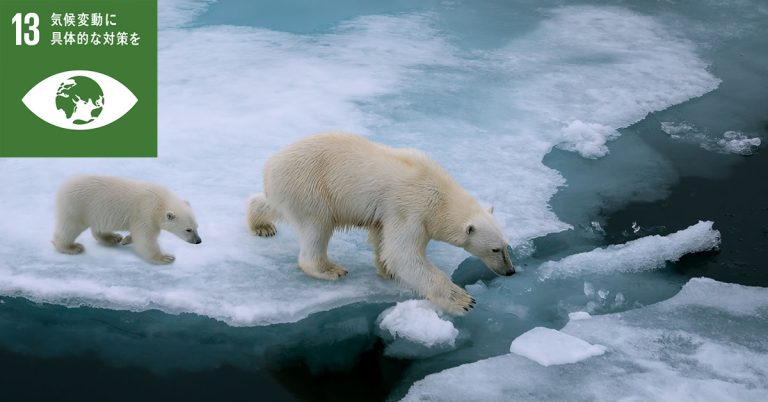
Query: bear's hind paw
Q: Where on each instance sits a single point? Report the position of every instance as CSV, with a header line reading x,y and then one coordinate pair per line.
x,y
267,230
383,272
109,239
74,248
387,275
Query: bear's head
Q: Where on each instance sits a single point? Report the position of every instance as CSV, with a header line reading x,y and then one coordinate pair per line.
x,y
484,239
181,222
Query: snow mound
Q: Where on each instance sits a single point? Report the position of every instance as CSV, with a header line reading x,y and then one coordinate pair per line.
x,y
588,139
644,254
549,347
418,321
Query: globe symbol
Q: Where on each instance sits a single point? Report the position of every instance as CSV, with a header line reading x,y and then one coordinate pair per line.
x,y
81,99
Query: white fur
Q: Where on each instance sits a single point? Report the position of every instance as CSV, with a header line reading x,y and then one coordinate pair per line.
x,y
108,204
401,196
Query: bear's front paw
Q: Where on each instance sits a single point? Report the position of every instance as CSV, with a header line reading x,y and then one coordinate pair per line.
x,y
268,230
328,271
127,240
455,302
331,272
163,259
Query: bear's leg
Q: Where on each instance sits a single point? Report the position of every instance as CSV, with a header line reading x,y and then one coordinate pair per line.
x,y
261,216
313,257
374,239
404,252
65,235
147,247
107,238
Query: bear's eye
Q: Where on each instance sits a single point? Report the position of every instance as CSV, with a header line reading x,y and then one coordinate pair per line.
x,y
189,230
496,250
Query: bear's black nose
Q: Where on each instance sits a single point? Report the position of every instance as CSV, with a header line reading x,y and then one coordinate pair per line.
x,y
510,273
199,241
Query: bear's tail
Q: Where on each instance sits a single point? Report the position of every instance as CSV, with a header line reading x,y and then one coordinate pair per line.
x,y
261,216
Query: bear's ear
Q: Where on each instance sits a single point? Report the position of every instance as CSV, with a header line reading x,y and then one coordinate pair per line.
x,y
170,216
470,229
187,202
490,209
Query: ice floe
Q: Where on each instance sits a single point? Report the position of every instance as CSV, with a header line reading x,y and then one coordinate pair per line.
x,y
548,347
705,344
645,253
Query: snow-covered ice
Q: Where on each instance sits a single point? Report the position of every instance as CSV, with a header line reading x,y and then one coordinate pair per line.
x,y
230,96
645,253
548,347
705,344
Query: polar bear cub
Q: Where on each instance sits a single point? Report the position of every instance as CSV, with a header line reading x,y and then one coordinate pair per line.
x,y
108,204
401,196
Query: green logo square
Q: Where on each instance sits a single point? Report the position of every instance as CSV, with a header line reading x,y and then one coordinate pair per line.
x,y
78,78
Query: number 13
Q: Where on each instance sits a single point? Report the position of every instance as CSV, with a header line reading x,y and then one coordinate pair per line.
x,y
33,21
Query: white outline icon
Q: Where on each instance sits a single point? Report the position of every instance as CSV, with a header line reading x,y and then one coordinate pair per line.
x,y
116,102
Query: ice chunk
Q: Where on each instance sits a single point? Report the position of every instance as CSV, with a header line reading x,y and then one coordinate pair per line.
x,y
597,227
548,347
731,142
685,348
618,300
589,289
675,130
476,288
579,315
646,253
735,142
418,321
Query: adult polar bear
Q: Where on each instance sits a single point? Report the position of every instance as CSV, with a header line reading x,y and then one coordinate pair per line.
x,y
401,196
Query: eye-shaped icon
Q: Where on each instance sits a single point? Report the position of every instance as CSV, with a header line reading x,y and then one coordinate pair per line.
x,y
79,100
